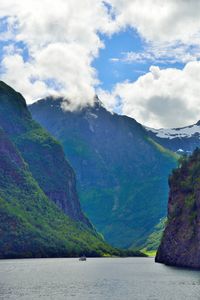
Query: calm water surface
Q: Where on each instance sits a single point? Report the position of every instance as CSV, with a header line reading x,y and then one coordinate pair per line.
x,y
96,279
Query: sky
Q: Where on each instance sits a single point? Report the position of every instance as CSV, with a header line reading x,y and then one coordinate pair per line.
x,y
142,58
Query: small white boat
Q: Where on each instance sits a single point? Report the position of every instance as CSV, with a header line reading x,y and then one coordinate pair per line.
x,y
83,258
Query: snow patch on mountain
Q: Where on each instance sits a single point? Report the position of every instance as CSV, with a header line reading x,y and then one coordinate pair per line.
x,y
172,133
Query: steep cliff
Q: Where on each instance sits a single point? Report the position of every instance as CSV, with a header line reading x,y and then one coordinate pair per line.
x,y
41,151
180,244
31,225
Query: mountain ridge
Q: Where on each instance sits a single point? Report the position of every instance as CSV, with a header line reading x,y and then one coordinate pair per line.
x,y
119,171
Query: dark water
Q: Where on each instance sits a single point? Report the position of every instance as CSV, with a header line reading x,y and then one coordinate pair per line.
x,y
95,279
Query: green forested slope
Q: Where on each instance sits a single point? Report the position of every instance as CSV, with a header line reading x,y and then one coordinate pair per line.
x,y
33,223
122,174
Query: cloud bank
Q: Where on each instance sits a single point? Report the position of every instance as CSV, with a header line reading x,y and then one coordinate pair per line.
x,y
48,48
164,98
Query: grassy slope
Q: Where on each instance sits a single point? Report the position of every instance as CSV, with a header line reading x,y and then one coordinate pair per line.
x,y
154,239
134,202
165,151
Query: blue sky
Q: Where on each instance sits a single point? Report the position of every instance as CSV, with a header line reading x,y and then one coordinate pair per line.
x,y
110,64
112,68
110,72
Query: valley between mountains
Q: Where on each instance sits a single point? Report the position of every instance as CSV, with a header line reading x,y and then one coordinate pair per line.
x,y
40,213
83,182
121,172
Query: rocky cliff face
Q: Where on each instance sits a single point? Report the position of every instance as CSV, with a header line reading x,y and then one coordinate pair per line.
x,y
180,244
121,173
10,157
43,153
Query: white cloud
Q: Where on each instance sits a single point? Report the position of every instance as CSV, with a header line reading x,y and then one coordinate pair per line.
x,y
163,53
170,29
161,21
109,100
61,40
20,74
162,98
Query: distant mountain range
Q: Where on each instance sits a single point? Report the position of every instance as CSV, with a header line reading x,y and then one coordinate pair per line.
x,y
121,171
181,140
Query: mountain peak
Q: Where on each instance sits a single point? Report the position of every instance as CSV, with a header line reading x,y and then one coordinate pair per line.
x,y
4,86
111,155
12,99
98,102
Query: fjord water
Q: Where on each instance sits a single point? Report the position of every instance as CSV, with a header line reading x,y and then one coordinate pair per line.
x,y
96,279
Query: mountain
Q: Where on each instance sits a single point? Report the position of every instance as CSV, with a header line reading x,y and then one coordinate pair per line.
x,y
40,213
180,244
41,151
121,172
182,140
30,224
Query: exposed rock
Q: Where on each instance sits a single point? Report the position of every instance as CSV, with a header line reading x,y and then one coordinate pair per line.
x,y
180,244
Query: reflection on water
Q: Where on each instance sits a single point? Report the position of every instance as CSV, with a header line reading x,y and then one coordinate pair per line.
x,y
96,279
